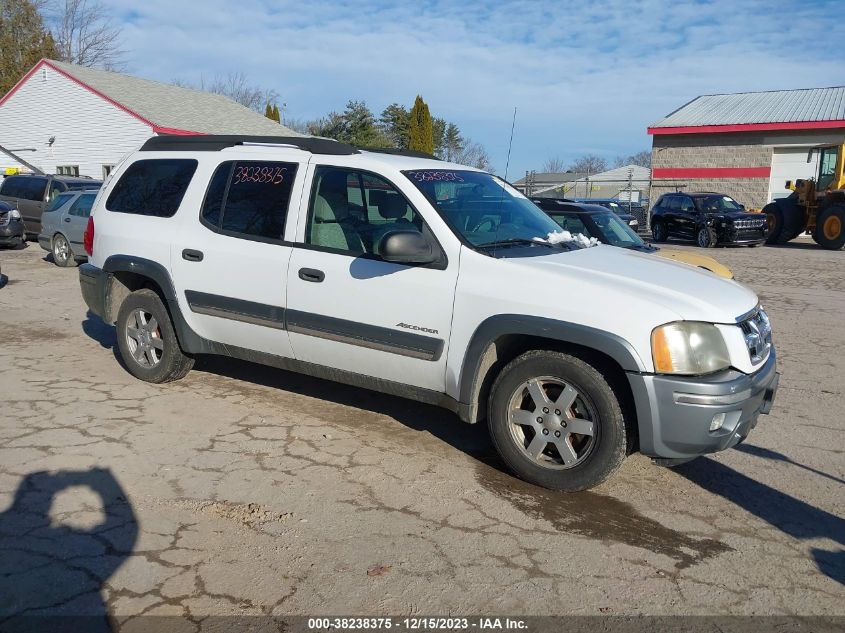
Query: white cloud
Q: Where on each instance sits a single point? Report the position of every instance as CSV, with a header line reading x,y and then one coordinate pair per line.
x,y
585,77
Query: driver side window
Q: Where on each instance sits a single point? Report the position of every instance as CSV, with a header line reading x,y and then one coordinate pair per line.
x,y
351,211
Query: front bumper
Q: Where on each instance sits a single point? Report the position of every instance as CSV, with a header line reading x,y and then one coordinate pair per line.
x,y
11,233
93,283
675,412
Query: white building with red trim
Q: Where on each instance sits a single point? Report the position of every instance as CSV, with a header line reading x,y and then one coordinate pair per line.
x,y
63,118
745,145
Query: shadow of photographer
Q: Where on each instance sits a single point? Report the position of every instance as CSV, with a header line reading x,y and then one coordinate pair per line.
x,y
49,571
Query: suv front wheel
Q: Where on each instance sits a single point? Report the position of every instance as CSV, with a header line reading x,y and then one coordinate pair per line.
x,y
147,341
556,422
659,232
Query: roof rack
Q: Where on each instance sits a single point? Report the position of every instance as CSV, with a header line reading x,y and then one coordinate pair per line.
x,y
412,153
216,142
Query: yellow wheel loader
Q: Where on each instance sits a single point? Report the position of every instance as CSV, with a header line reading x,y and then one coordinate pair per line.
x,y
816,205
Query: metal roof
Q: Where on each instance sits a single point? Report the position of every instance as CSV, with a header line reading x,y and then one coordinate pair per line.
x,y
749,108
173,107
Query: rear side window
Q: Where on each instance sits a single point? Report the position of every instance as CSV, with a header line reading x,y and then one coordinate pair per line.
x,y
58,201
249,198
12,187
34,189
82,206
152,187
674,203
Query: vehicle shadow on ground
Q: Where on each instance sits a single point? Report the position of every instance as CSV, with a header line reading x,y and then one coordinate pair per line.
x,y
53,569
95,328
791,516
765,453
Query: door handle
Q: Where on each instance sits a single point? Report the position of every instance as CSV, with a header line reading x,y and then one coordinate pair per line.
x,y
67,219
192,255
311,274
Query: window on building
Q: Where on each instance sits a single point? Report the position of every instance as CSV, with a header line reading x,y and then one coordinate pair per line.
x,y
67,170
107,170
152,187
351,211
249,198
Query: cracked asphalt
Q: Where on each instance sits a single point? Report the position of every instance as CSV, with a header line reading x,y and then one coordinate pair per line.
x,y
248,490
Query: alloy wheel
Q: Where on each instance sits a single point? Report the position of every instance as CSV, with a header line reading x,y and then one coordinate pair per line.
x,y
552,423
61,249
143,336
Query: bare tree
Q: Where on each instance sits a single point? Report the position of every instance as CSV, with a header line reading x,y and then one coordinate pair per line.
x,y
85,33
643,159
237,87
474,155
554,165
589,164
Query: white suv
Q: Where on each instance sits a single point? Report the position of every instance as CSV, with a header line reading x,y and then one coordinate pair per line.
x,y
430,280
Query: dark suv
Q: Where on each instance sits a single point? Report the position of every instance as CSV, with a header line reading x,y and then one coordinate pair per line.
x,y
707,218
31,194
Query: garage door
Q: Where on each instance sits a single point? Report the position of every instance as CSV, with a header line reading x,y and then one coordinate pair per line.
x,y
790,163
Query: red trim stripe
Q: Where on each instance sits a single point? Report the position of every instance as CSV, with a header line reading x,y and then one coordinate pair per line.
x,y
155,128
748,127
711,172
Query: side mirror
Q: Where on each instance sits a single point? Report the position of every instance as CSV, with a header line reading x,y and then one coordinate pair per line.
x,y
406,247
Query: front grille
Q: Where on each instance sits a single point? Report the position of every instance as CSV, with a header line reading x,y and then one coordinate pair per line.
x,y
754,223
758,336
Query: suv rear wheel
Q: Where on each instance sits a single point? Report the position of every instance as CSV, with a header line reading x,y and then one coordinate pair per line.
x,y
556,422
147,341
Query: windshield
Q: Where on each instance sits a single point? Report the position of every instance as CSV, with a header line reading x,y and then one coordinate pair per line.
x,y
606,227
717,203
483,209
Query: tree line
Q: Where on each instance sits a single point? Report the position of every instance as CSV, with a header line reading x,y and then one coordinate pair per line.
x,y
397,127
593,164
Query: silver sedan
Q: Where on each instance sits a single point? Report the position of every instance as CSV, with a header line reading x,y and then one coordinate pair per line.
x,y
63,225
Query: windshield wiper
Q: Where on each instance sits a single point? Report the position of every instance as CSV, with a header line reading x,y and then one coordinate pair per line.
x,y
515,241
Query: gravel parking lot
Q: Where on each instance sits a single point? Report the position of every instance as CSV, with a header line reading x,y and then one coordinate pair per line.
x,y
248,490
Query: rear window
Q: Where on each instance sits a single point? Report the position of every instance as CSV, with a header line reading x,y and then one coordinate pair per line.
x,y
249,198
33,189
152,187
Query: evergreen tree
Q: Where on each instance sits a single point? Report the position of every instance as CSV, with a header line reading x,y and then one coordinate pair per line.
x,y
394,122
420,132
453,142
23,41
438,133
268,111
277,117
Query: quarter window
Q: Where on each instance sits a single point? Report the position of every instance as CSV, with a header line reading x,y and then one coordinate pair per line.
x,y
82,206
152,187
351,211
250,198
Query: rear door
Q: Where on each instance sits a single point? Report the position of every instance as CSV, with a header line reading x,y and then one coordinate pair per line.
x,y
75,220
350,310
32,204
230,257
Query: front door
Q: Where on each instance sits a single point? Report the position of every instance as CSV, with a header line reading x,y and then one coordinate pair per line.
x,y
75,220
687,217
347,308
230,259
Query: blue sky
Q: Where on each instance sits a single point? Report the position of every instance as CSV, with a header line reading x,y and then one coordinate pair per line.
x,y
585,77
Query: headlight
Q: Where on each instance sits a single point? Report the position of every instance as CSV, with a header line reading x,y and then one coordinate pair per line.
x,y
688,347
14,214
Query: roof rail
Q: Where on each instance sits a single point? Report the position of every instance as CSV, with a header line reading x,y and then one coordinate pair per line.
x,y
399,152
216,142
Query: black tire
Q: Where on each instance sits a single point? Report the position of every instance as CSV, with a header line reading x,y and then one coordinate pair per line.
x,y
171,363
658,232
599,455
706,237
60,248
786,221
830,228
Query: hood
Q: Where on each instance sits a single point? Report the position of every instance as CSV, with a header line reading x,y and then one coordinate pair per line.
x,y
691,293
698,260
